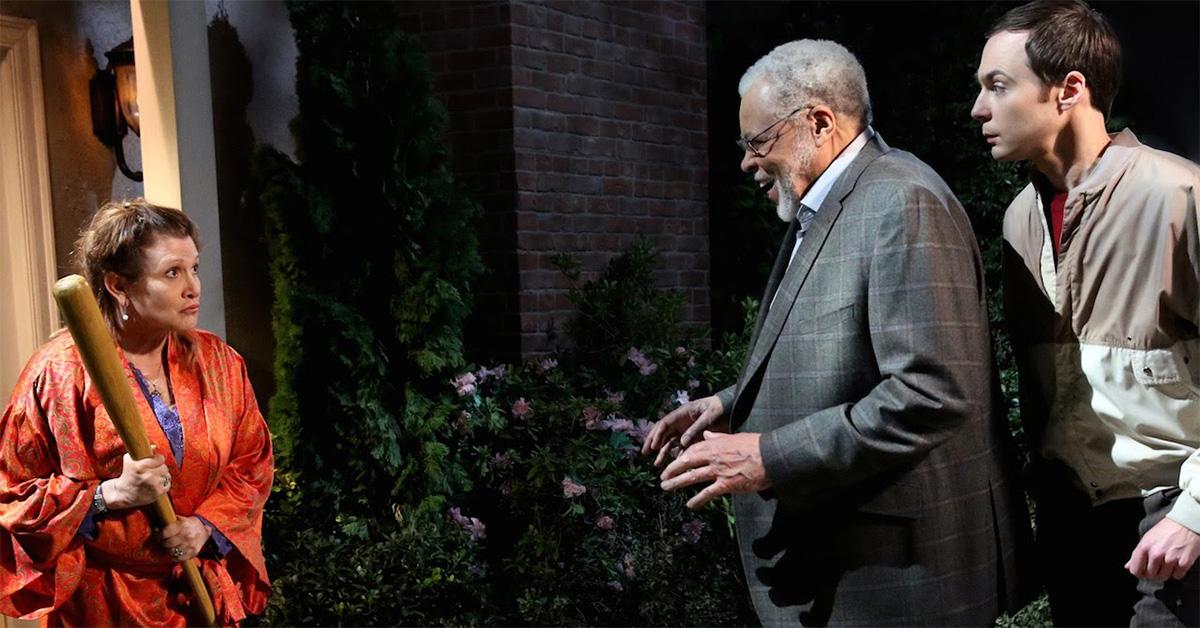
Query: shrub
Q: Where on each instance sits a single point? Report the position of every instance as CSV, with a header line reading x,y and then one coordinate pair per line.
x,y
577,529
372,252
544,513
413,569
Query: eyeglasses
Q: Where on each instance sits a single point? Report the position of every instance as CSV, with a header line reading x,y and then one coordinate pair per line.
x,y
753,144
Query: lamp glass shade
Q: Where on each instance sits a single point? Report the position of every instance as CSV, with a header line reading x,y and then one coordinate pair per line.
x,y
126,75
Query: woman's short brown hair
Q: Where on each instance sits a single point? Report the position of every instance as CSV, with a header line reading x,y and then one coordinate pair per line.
x,y
114,241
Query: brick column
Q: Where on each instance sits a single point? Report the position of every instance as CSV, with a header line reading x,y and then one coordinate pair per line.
x,y
581,125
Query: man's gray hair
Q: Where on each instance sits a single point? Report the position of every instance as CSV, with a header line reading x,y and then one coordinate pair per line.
x,y
809,72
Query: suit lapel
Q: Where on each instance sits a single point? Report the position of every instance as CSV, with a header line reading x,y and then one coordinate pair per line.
x,y
769,327
776,276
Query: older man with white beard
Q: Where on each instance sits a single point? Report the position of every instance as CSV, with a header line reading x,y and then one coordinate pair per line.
x,y
866,458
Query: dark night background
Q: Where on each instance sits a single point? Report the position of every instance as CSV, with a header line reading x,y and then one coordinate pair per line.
x,y
920,59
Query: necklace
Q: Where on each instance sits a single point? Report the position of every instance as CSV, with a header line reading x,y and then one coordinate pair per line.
x,y
151,381
159,358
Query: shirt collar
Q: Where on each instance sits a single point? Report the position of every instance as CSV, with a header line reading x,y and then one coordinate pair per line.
x,y
820,188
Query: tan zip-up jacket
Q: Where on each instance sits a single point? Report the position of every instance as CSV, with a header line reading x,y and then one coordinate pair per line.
x,y
1106,342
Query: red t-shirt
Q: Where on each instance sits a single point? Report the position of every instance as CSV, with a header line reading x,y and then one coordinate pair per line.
x,y
1057,203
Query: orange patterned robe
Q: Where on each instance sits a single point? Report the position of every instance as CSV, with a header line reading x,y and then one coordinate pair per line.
x,y
57,443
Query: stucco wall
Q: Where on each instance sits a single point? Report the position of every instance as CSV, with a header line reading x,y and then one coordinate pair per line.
x,y
252,63
266,34
73,37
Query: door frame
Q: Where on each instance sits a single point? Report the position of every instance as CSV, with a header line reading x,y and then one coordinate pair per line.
x,y
31,176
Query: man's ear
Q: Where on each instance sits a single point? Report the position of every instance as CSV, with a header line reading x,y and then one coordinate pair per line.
x,y
1074,91
824,123
117,287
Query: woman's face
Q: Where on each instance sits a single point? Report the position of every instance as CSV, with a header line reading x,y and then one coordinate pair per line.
x,y
167,295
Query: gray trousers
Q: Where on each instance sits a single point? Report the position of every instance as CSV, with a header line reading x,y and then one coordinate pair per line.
x,y
1084,550
1173,602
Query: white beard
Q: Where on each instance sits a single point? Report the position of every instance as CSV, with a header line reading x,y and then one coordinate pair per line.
x,y
789,200
788,203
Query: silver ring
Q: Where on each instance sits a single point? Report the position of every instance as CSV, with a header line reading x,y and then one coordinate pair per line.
x,y
177,552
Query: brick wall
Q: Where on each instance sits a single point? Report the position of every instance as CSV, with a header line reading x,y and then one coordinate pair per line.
x,y
581,125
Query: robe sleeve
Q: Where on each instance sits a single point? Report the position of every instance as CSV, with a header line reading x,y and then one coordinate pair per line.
x,y
217,544
236,506
41,508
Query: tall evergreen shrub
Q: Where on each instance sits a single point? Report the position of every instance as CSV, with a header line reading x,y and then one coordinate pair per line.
x,y
373,248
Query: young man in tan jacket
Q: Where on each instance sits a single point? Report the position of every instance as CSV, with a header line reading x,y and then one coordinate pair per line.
x,y
1102,291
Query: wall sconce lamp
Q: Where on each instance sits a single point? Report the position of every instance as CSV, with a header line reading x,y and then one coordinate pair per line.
x,y
114,103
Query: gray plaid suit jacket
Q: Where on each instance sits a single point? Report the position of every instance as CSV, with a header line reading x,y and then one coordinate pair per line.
x,y
872,383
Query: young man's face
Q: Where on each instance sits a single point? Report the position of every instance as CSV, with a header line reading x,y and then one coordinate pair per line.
x,y
1019,112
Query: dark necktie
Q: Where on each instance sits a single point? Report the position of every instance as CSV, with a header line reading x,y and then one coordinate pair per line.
x,y
804,219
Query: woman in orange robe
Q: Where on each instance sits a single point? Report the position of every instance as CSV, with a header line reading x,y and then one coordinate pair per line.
x,y
78,543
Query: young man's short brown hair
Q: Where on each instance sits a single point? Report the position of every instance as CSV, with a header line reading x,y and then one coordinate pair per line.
x,y
1065,36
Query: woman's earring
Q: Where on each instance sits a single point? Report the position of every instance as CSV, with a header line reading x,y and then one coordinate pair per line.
x,y
124,314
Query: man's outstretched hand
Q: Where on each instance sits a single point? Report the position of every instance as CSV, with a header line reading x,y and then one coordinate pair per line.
x,y
732,463
684,425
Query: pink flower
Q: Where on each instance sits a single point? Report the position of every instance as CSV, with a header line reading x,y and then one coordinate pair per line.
x,y
615,397
693,384
641,431
476,527
644,364
464,384
605,522
692,531
572,489
681,397
680,351
637,432
627,565
547,364
521,408
591,417
618,424
484,373
502,461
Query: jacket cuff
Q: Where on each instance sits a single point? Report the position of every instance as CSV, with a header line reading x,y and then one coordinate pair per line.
x,y
1186,512
790,469
727,396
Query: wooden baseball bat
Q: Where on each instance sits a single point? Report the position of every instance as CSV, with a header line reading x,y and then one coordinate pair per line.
x,y
82,316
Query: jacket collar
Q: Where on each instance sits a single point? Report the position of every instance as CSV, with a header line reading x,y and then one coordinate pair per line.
x,y
1111,163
